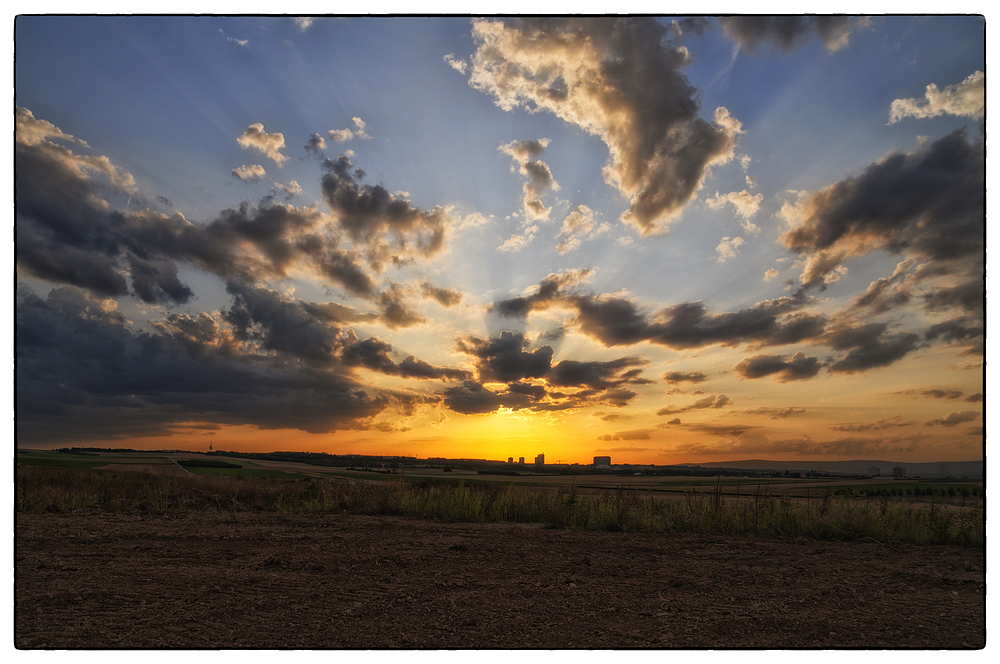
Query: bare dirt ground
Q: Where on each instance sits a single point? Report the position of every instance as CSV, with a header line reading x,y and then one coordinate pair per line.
x,y
92,579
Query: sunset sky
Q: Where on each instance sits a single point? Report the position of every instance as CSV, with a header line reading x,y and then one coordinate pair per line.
x,y
664,240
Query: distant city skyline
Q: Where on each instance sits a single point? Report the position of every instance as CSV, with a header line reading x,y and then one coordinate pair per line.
x,y
660,239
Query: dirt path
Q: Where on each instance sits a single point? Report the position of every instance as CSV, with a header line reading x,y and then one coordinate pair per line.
x,y
91,579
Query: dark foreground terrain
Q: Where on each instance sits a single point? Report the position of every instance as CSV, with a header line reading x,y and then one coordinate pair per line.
x,y
91,579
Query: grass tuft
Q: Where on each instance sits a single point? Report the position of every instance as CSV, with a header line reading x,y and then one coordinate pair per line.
x,y
844,517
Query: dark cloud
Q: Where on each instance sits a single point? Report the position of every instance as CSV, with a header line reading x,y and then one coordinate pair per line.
x,y
395,312
878,351
386,224
929,204
375,354
710,401
446,297
970,296
887,423
315,146
614,321
551,290
538,176
503,359
886,293
787,32
949,393
82,374
620,80
675,377
956,330
955,418
696,25
265,318
67,234
776,413
799,367
471,398
597,375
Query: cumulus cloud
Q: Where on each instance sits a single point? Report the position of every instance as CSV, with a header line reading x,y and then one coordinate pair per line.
x,y
202,364
184,369
799,367
270,144
503,359
29,130
771,274
386,224
929,204
253,173
965,99
787,32
315,145
743,202
617,80
342,135
537,173
533,381
304,22
290,190
66,233
616,321
461,66
472,398
579,225
728,248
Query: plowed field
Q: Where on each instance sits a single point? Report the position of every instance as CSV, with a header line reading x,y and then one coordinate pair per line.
x,y
91,579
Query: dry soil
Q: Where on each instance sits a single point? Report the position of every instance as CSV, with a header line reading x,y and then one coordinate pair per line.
x,y
92,579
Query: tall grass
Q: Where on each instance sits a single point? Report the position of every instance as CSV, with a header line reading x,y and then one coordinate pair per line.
x,y
829,518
